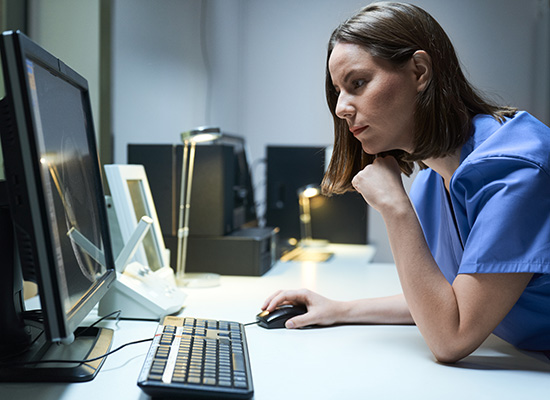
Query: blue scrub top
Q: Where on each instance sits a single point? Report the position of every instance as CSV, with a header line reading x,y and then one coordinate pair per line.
x,y
500,196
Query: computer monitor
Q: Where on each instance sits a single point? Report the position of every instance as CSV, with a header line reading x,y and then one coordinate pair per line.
x,y
338,219
53,187
243,190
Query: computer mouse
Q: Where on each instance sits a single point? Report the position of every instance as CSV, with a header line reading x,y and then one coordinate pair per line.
x,y
277,318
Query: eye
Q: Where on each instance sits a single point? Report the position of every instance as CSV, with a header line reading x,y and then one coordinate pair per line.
x,y
359,83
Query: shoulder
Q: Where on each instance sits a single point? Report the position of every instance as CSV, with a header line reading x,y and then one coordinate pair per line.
x,y
425,181
515,149
521,137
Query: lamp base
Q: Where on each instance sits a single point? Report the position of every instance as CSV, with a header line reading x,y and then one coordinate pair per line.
x,y
313,243
315,250
198,280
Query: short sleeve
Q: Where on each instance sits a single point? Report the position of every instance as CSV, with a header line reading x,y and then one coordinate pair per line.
x,y
502,205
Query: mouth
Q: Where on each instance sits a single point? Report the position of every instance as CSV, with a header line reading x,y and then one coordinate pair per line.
x,y
356,130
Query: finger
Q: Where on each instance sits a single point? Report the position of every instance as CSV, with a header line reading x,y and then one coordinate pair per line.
x,y
287,297
269,299
299,321
281,298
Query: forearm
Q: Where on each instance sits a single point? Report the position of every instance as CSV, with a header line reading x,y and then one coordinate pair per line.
x,y
381,310
430,297
453,319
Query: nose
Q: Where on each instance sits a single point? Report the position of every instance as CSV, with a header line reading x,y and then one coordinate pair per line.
x,y
344,107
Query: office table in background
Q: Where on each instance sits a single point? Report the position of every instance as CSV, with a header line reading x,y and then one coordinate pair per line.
x,y
363,362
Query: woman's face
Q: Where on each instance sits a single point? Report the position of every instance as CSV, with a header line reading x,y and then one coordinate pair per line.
x,y
376,99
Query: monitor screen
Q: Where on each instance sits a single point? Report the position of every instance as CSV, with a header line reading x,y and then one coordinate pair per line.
x,y
141,208
66,169
54,188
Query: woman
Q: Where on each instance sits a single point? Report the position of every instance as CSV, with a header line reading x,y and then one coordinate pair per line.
x,y
472,243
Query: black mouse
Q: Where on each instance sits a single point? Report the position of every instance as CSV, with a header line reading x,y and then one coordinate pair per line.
x,y
277,318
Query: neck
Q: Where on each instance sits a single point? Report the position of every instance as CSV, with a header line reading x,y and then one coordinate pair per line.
x,y
445,166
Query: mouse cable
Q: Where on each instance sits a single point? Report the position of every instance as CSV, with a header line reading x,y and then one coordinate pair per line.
x,y
251,323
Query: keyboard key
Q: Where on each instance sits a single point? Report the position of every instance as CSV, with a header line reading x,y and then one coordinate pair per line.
x,y
194,379
238,362
209,381
155,377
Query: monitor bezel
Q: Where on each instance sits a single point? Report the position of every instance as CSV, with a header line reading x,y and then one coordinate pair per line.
x,y
118,176
26,197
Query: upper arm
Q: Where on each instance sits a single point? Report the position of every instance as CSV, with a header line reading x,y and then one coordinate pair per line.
x,y
483,300
500,203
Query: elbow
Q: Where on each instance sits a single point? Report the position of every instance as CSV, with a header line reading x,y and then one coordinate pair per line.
x,y
447,357
451,353
451,346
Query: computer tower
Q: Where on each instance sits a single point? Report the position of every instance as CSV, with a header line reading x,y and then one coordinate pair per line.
x,y
212,197
221,236
247,252
338,219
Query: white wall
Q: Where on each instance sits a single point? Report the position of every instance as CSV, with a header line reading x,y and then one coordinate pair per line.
x,y
256,67
69,29
159,78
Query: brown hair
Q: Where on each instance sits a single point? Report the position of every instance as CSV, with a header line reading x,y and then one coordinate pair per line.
x,y
444,109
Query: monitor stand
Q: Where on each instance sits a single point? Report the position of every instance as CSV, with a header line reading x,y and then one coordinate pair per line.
x,y
36,363
23,344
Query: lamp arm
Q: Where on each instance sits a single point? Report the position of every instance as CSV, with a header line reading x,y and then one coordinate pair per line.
x,y
182,252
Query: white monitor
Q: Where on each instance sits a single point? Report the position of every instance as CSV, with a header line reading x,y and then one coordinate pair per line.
x,y
132,200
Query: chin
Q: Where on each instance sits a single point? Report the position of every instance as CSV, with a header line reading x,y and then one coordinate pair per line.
x,y
372,151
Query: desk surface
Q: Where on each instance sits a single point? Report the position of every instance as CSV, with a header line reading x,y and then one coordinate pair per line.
x,y
389,362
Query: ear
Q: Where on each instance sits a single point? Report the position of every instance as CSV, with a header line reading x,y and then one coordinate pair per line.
x,y
422,64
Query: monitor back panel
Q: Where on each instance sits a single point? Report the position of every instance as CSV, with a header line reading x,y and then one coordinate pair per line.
x,y
339,219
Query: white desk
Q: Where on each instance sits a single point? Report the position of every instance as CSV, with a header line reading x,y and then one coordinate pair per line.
x,y
376,362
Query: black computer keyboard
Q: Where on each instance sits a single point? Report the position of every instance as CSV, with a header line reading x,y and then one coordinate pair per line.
x,y
198,358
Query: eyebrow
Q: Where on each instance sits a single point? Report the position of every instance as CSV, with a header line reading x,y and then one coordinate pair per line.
x,y
349,73
352,71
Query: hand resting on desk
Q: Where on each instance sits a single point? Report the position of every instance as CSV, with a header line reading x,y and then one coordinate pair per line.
x,y
320,310
323,311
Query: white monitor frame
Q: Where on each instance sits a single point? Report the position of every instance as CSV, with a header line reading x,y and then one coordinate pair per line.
x,y
119,176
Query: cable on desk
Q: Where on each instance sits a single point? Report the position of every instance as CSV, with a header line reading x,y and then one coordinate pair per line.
x,y
36,315
117,312
15,364
251,323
